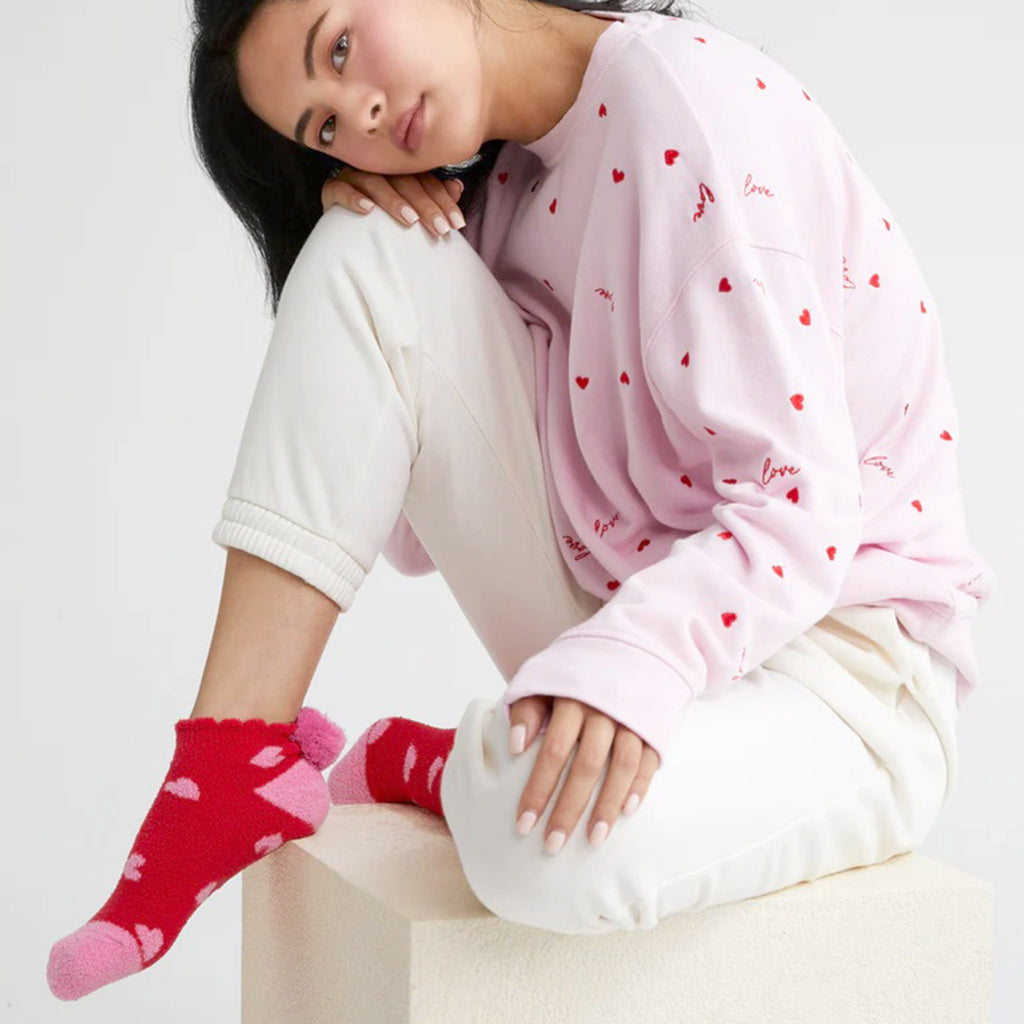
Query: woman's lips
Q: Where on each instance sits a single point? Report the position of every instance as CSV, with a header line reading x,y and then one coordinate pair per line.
x,y
414,133
410,128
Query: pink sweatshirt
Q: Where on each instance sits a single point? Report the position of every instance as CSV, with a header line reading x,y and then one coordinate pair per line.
x,y
743,405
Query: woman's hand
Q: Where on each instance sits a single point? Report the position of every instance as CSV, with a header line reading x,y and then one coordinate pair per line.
x,y
633,764
426,195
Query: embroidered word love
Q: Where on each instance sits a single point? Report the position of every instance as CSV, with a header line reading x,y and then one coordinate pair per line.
x,y
768,472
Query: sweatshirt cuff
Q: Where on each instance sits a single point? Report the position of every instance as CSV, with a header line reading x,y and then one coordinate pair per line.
x,y
625,682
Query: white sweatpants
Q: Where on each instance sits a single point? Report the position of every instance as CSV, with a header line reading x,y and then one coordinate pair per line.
x,y
400,379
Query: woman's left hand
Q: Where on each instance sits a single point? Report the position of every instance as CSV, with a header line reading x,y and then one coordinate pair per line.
x,y
633,764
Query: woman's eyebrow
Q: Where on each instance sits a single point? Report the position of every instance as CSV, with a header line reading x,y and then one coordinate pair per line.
x,y
300,126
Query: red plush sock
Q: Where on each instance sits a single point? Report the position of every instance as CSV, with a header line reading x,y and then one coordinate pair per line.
x,y
396,761
235,790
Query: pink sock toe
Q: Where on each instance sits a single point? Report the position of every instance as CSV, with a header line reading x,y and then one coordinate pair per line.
x,y
95,955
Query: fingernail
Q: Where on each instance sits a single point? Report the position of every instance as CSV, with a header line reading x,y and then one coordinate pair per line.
x,y
632,803
526,822
517,739
599,833
457,219
554,841
441,225
410,214
365,204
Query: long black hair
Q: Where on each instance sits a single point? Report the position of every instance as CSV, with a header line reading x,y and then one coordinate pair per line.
x,y
272,183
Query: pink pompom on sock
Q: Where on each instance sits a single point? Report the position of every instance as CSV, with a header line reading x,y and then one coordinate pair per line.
x,y
235,791
396,761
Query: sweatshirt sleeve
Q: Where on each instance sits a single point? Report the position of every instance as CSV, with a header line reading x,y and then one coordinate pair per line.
x,y
744,360
404,551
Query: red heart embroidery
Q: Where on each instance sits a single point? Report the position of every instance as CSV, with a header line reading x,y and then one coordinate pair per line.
x,y
533,187
728,618
778,569
873,281
946,436
617,175
685,360
806,97
793,495
643,543
583,381
923,310
709,430
731,480
761,84
917,505
725,535
602,111
888,226
613,584
805,318
724,286
831,552
503,177
670,156
686,480
905,408
548,283
624,378
797,400
554,203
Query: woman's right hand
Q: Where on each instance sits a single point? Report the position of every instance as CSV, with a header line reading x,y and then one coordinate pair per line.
x,y
425,194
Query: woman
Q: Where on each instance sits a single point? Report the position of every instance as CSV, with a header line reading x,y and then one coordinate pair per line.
x,y
671,419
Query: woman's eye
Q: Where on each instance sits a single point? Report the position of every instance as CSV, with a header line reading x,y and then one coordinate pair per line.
x,y
334,50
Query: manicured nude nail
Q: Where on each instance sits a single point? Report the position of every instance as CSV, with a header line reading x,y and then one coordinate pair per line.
x,y
410,214
517,738
632,803
526,822
599,833
554,841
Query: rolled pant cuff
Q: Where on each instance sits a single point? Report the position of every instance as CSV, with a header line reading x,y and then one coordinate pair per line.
x,y
316,559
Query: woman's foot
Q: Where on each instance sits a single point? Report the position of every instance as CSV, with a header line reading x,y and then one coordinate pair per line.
x,y
396,761
235,790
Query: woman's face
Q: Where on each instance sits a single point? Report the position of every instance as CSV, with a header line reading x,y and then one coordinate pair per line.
x,y
369,62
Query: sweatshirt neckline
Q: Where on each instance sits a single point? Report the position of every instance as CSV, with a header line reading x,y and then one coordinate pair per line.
x,y
550,146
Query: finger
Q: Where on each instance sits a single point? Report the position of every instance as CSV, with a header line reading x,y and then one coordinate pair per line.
x,y
455,188
628,757
341,192
559,741
526,717
425,194
351,185
650,762
407,198
442,197
588,764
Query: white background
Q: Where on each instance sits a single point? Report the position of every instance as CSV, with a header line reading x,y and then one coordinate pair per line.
x,y
133,330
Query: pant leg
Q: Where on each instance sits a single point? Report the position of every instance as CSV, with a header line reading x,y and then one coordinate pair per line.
x,y
799,769
400,377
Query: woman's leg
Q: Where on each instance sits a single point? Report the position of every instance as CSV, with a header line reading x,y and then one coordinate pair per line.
x,y
400,377
270,633
820,760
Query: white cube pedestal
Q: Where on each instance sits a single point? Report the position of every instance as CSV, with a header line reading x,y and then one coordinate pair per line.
x,y
371,921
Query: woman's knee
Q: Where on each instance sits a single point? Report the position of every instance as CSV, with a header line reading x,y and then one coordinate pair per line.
x,y
581,890
342,235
